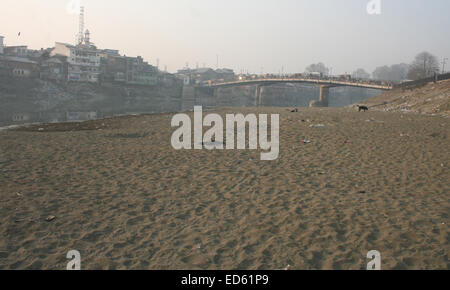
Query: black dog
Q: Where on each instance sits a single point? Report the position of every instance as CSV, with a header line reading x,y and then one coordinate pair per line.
x,y
363,108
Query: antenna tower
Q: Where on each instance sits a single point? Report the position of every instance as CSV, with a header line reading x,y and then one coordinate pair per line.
x,y
81,26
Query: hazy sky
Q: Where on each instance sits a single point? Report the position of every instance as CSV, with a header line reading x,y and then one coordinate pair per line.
x,y
246,34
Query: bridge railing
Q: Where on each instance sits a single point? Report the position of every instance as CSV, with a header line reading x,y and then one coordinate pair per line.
x,y
324,80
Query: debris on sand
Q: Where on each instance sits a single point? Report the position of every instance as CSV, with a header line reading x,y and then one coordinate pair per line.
x,y
317,126
50,218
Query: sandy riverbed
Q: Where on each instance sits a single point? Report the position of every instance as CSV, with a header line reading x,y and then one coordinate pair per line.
x,y
125,199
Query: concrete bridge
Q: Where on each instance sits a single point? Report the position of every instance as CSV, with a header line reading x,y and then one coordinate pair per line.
x,y
324,84
190,91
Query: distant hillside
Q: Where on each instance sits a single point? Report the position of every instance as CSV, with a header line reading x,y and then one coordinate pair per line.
x,y
432,98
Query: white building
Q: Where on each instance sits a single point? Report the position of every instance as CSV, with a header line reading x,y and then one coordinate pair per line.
x,y
1,44
83,59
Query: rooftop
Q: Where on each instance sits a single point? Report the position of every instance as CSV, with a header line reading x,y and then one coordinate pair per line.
x,y
19,59
17,46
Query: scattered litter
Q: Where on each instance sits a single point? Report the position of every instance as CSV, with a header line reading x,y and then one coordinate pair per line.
x,y
288,267
294,111
442,164
305,141
19,194
50,218
317,126
362,191
41,129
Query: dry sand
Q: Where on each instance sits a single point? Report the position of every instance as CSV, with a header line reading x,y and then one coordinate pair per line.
x,y
125,199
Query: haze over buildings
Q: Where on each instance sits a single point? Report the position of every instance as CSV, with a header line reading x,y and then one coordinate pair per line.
x,y
250,35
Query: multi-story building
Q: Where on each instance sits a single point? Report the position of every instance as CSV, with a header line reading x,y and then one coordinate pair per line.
x,y
225,74
130,70
21,67
18,51
83,60
114,66
54,68
140,72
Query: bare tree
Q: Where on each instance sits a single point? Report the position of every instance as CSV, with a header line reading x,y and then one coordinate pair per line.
x,y
399,72
382,73
317,68
425,65
395,73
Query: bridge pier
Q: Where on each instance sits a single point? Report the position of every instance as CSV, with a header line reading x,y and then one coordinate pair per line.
x,y
324,95
323,99
258,96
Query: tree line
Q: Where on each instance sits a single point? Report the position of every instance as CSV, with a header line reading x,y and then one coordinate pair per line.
x,y
424,65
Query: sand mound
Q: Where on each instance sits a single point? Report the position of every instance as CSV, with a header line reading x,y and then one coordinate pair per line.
x,y
427,99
